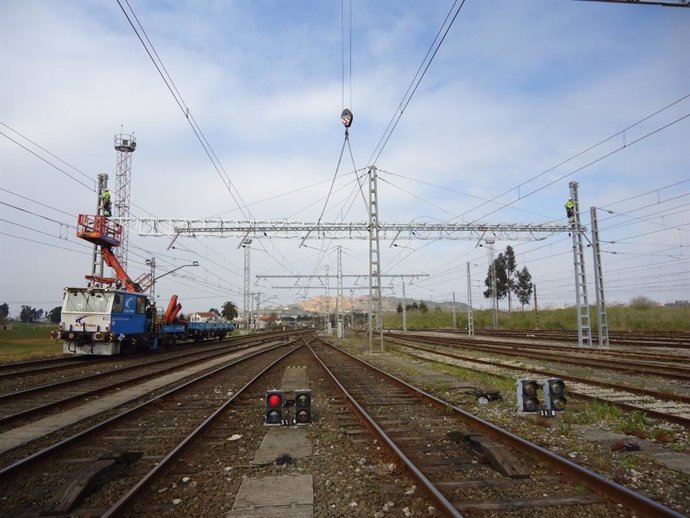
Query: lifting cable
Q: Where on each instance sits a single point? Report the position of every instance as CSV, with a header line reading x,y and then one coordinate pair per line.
x,y
346,115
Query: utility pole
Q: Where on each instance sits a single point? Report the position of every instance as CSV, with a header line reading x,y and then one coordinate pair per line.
x,y
404,311
455,322
339,332
255,319
470,314
584,329
327,328
97,259
152,263
536,309
494,287
602,319
375,313
245,244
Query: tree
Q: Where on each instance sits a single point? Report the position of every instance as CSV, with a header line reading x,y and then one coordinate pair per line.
x,y
510,266
642,302
55,314
399,308
4,311
499,265
523,286
214,310
229,311
29,314
422,307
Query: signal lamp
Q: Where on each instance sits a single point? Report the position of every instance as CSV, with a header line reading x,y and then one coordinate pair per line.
x,y
275,407
554,394
527,395
302,406
346,118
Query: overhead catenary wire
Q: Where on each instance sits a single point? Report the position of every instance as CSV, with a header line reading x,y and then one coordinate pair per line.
x,y
179,100
417,79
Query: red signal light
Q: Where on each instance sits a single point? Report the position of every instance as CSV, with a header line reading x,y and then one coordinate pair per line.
x,y
274,400
275,407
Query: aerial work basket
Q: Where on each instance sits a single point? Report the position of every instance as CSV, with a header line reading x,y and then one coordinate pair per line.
x,y
99,230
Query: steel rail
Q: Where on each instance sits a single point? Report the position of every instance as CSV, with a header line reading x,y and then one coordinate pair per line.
x,y
207,354
8,470
427,486
681,373
128,499
594,481
59,364
667,396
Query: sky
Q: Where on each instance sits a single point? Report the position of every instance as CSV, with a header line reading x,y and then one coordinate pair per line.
x,y
521,98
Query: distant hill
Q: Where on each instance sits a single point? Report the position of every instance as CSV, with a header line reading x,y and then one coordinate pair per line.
x,y
322,303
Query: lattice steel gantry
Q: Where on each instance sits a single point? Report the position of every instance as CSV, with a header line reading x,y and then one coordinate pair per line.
x,y
125,146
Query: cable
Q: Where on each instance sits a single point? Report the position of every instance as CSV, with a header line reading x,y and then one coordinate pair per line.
x,y
414,84
47,162
46,151
170,84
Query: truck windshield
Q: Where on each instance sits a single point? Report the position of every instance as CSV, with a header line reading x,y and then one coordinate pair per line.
x,y
83,301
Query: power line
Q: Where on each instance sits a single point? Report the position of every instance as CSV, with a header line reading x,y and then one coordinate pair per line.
x,y
48,162
170,84
416,80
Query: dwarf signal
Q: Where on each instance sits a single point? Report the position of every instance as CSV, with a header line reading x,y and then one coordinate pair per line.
x,y
528,401
275,408
302,406
554,395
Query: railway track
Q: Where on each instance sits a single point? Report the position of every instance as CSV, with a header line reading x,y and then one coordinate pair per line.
x,y
126,445
669,366
188,450
440,444
620,338
53,397
664,405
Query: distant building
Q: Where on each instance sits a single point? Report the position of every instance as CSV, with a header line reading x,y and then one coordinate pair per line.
x,y
268,321
681,303
204,317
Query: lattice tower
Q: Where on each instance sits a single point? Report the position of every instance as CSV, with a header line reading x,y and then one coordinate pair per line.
x,y
124,147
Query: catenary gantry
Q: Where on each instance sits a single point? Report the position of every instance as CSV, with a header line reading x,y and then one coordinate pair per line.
x,y
279,229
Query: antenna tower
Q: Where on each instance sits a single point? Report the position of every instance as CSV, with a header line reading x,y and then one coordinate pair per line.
x,y
124,147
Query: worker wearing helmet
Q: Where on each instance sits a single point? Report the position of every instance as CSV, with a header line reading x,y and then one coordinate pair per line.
x,y
570,210
105,202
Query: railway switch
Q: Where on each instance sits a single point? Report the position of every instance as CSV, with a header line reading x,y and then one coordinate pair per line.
x,y
528,401
275,408
554,395
302,406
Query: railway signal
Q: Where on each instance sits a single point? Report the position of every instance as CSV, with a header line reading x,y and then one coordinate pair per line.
x,y
554,395
302,406
528,402
275,408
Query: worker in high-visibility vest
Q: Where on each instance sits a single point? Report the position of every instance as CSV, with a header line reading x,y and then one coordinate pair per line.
x,y
570,210
105,202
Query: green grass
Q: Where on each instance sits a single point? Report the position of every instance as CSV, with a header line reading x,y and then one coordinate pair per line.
x,y
28,341
620,318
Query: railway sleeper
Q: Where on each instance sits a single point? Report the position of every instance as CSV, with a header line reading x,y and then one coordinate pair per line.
x,y
88,480
498,455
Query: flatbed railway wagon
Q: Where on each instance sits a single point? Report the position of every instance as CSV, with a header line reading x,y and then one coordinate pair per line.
x,y
105,321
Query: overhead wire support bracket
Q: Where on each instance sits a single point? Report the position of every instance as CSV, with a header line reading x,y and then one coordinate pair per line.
x,y
157,227
243,240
